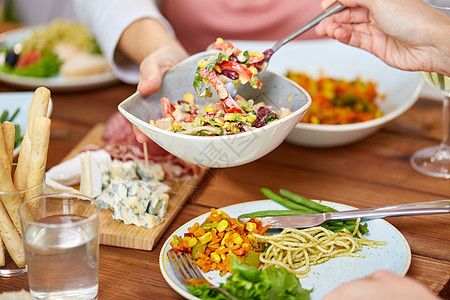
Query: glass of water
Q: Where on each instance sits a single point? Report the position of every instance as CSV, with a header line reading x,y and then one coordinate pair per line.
x,y
12,260
435,160
60,237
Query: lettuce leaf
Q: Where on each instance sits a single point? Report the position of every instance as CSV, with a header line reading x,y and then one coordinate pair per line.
x,y
48,66
249,283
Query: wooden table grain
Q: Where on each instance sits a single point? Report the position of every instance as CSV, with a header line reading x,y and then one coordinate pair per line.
x,y
372,172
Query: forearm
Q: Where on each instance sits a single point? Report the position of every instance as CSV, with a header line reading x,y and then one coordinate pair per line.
x,y
102,17
143,37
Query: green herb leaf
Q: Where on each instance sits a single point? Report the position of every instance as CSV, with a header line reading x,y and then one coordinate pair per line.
x,y
48,66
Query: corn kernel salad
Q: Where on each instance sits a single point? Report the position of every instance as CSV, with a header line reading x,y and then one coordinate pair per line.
x,y
338,101
211,243
229,115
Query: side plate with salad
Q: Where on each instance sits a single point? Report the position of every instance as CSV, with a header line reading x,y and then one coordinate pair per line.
x,y
57,82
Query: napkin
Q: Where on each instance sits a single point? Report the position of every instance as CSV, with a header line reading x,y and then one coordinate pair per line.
x,y
62,177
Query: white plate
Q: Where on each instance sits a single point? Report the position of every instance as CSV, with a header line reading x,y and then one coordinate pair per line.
x,y
22,100
395,256
57,83
338,60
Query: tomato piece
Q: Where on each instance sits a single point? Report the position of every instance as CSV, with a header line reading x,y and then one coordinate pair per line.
x,y
231,105
225,46
219,86
167,107
216,83
190,118
240,69
28,58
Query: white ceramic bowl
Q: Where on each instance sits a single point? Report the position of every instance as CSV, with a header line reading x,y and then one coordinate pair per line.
x,y
218,151
341,61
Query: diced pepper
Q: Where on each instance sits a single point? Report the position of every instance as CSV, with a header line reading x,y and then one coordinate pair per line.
x,y
237,239
216,257
226,238
222,225
200,231
192,242
263,230
205,238
250,226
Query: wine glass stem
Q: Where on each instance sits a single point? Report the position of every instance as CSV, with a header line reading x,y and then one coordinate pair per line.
x,y
445,122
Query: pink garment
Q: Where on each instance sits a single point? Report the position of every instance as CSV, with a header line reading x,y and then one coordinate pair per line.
x,y
197,23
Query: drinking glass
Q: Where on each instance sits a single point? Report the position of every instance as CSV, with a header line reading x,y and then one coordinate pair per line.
x,y
10,269
60,236
435,160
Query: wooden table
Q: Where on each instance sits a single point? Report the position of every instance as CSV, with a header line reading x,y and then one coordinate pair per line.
x,y
373,172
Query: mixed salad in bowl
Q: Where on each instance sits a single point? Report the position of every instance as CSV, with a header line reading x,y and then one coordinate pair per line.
x,y
230,115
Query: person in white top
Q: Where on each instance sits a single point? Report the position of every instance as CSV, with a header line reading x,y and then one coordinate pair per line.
x,y
158,34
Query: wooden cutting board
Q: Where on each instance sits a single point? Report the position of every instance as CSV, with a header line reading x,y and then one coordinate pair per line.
x,y
116,233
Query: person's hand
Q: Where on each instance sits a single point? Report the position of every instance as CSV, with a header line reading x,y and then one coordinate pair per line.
x,y
152,70
154,66
406,34
381,285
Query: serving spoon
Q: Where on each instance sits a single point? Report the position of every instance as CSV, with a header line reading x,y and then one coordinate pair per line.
x,y
332,9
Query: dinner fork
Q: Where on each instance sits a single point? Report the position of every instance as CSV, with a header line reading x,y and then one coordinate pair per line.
x,y
410,209
189,274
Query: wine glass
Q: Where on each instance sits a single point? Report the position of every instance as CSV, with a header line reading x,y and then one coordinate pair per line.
x,y
435,160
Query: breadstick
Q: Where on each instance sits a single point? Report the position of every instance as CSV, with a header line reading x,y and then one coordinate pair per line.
x,y
11,238
4,159
38,108
11,201
38,159
9,132
2,253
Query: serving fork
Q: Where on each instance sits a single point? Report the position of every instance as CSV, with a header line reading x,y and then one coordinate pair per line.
x,y
332,9
188,273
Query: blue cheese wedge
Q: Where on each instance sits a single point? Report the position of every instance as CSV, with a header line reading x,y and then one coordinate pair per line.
x,y
123,170
158,204
149,171
142,202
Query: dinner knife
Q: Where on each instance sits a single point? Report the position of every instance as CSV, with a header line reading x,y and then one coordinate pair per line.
x,y
412,209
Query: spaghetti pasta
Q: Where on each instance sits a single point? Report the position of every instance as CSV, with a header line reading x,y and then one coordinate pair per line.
x,y
296,250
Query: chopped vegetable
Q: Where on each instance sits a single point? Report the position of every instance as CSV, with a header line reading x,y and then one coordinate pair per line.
x,y
250,283
231,64
213,119
5,117
229,115
211,243
339,101
46,66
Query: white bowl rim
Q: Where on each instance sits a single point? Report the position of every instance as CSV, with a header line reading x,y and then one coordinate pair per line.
x,y
294,114
366,124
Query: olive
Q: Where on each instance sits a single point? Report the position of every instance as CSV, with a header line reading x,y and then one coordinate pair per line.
x,y
11,58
